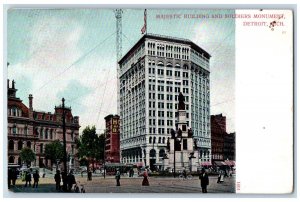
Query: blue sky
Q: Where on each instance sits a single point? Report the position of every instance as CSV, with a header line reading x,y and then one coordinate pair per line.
x,y
71,53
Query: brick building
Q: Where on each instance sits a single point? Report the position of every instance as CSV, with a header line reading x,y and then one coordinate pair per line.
x,y
35,129
222,143
112,140
218,131
229,146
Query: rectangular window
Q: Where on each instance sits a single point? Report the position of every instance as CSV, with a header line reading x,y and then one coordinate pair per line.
x,y
184,146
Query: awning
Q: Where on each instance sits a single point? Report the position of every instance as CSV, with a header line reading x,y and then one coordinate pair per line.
x,y
205,163
220,163
230,163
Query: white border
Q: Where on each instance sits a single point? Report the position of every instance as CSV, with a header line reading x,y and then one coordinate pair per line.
x,y
120,2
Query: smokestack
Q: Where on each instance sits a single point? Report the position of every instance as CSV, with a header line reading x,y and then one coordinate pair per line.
x,y
30,101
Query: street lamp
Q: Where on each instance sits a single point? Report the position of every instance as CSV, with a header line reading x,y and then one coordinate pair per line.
x,y
65,146
177,141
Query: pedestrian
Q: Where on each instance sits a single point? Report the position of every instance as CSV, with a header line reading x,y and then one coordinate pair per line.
x,y
118,176
57,179
230,173
131,172
145,180
14,176
36,178
89,175
204,180
71,180
28,178
9,175
219,177
222,176
64,179
184,173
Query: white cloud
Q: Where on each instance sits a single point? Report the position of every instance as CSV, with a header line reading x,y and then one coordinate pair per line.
x,y
54,49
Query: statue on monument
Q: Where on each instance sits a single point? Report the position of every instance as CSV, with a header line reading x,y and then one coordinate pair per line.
x,y
181,105
173,133
190,133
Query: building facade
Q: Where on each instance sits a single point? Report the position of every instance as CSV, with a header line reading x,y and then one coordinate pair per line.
x,y
229,146
218,132
222,143
35,129
151,75
112,139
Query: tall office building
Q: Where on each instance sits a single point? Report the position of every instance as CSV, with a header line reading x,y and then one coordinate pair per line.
x,y
151,75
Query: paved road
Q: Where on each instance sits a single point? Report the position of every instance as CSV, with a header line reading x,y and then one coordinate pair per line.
x,y
133,185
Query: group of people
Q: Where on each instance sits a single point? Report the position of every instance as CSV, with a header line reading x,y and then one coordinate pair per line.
x,y
35,176
67,181
145,181
12,177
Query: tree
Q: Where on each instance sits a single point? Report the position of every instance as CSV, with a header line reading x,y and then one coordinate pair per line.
x,y
90,146
54,151
27,155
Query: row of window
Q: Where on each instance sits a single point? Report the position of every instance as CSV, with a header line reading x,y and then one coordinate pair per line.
x,y
14,111
16,130
160,140
20,146
160,72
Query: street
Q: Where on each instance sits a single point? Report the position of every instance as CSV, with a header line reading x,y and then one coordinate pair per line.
x,y
134,185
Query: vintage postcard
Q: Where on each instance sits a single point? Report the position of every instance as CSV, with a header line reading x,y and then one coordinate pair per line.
x,y
149,101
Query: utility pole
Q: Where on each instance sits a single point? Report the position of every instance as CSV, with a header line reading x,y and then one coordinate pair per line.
x,y
65,145
118,15
104,156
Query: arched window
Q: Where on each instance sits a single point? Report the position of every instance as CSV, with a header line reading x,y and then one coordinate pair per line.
x,y
20,145
169,65
150,140
46,133
28,144
14,111
154,140
41,148
163,140
161,153
51,134
11,159
160,63
152,153
41,133
25,130
11,145
14,129
159,140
